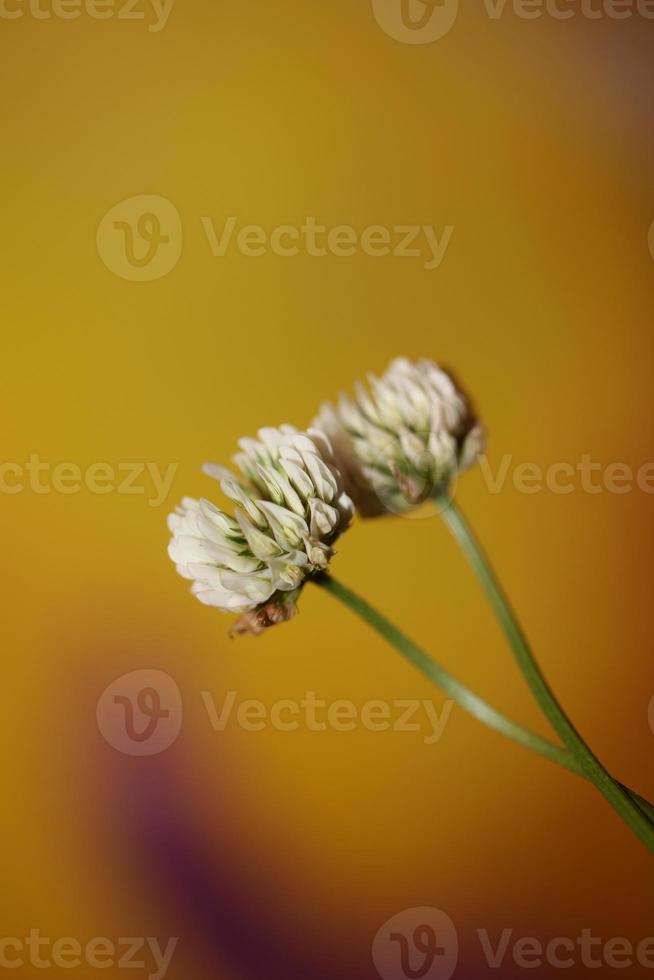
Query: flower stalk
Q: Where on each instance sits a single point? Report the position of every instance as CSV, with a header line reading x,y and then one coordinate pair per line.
x,y
616,795
462,695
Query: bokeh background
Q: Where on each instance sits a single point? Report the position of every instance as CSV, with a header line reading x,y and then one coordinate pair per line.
x,y
279,855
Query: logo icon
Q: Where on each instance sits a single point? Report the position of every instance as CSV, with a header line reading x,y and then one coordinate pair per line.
x,y
417,944
141,713
140,239
416,21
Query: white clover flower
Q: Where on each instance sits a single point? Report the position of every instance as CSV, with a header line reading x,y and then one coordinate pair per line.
x,y
290,508
403,439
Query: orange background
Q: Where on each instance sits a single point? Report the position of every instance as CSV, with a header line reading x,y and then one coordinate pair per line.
x,y
280,854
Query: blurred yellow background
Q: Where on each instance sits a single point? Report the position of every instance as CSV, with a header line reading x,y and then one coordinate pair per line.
x,y
274,854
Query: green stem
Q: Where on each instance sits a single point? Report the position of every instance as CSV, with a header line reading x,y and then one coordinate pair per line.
x,y
631,810
457,691
454,689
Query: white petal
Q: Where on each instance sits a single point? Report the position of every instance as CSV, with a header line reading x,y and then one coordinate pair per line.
x,y
322,476
227,601
217,472
324,519
257,588
281,490
289,529
238,495
261,545
298,477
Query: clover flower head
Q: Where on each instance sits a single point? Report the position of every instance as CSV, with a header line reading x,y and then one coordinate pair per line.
x,y
404,438
290,506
